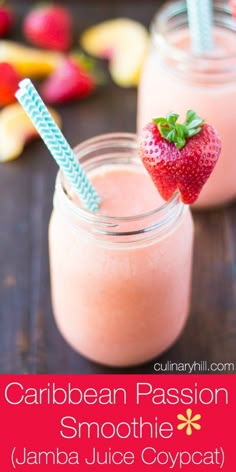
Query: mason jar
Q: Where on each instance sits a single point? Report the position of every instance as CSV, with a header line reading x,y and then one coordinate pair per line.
x,y
174,79
120,285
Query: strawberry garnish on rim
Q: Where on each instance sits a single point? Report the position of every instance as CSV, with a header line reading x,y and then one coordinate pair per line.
x,y
179,156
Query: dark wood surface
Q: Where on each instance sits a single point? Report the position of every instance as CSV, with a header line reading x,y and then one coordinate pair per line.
x,y
29,340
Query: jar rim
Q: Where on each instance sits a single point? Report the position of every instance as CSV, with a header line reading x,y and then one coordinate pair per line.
x,y
167,11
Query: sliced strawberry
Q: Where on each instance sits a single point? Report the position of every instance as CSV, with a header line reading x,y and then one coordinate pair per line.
x,y
9,80
50,27
69,82
179,156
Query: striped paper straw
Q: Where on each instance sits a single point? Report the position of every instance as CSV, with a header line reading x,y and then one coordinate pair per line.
x,y
27,85
61,151
200,19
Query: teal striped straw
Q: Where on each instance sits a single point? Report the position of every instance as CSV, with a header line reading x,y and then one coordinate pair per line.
x,y
58,146
200,19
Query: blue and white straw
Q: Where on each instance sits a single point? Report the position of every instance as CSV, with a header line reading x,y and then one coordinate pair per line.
x,y
58,146
200,19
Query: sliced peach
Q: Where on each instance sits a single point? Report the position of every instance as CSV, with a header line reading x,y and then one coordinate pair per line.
x,y
124,43
29,62
16,130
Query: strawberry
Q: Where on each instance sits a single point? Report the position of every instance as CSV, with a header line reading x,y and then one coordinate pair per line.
x,y
49,26
9,80
70,81
179,156
6,19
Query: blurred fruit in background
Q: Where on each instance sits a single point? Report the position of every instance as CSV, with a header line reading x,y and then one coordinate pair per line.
x,y
70,81
50,27
9,80
29,62
16,130
124,43
67,75
6,18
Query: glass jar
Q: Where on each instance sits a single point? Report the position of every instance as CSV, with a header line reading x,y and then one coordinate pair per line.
x,y
120,286
173,79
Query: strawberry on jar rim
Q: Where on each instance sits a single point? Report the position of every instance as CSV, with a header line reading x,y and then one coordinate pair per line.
x,y
179,156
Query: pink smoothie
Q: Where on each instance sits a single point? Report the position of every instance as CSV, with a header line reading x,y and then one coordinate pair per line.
x,y
124,192
121,303
212,95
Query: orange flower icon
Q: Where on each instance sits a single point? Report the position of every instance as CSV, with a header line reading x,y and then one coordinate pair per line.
x,y
189,422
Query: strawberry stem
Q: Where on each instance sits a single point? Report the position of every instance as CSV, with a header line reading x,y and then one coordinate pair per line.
x,y
179,133
90,65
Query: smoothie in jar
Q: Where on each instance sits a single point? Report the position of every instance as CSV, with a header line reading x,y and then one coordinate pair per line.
x,y
121,277
174,79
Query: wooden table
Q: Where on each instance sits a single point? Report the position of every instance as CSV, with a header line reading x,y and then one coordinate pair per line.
x,y
29,340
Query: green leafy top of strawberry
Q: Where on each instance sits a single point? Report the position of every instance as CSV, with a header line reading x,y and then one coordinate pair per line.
x,y
179,133
90,65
